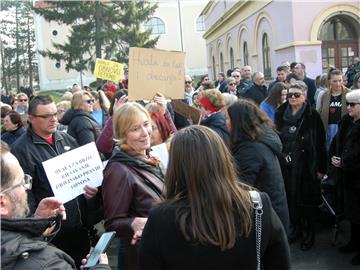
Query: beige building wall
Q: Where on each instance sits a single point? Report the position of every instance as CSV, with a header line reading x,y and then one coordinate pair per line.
x,y
53,75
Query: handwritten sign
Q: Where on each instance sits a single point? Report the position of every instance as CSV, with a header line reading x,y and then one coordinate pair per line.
x,y
108,70
70,172
152,71
185,110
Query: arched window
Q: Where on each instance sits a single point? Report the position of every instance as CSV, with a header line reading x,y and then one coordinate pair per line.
x,y
232,61
156,25
200,24
214,67
266,57
221,62
246,54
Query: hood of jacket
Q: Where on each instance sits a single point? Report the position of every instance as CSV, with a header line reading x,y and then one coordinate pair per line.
x,y
71,114
271,138
217,120
22,235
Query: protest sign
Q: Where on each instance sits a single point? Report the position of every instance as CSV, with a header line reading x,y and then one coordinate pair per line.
x,y
185,110
108,70
152,71
68,173
161,152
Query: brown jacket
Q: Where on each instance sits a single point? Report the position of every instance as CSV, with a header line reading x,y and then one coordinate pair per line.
x,y
324,106
127,195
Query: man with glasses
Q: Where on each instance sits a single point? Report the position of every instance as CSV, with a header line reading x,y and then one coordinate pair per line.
x,y
23,244
241,86
42,142
189,89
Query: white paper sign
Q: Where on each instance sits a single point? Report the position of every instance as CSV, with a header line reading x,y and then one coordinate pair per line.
x,y
70,172
161,152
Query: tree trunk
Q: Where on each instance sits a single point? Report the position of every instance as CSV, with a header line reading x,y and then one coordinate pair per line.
x,y
3,69
29,53
17,47
98,42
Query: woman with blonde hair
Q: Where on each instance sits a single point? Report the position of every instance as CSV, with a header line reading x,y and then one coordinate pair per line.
x,y
211,102
133,180
207,213
81,125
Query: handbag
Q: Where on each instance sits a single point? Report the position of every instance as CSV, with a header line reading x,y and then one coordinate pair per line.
x,y
258,210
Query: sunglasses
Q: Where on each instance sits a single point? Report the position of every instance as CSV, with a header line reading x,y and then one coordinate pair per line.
x,y
89,101
47,117
231,84
188,82
295,95
23,100
236,76
351,104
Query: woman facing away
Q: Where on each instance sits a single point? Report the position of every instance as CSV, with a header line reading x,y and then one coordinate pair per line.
x,y
206,219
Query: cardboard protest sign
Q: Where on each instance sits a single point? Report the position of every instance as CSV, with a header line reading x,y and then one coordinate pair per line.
x,y
152,71
185,110
70,172
108,70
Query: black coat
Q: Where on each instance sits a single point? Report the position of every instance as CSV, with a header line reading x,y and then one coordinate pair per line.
x,y
81,125
256,92
308,156
164,247
23,247
310,83
258,166
11,136
347,145
217,122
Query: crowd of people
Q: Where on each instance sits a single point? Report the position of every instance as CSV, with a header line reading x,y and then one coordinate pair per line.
x,y
281,138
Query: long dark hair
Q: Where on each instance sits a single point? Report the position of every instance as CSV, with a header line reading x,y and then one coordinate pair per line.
x,y
202,183
274,97
246,121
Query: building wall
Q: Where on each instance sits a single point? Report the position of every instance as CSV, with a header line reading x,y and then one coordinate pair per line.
x,y
292,28
52,77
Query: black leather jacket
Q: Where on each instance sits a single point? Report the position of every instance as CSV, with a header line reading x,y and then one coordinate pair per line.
x,y
24,247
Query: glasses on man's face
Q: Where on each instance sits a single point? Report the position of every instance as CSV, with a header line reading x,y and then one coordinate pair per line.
x,y
47,117
188,82
295,95
351,104
26,183
89,101
22,100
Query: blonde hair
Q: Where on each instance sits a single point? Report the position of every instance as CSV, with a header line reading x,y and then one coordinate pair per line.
x,y
125,117
152,107
22,95
77,99
66,104
215,98
229,99
67,96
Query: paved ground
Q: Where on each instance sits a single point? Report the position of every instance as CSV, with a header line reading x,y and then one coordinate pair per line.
x,y
323,256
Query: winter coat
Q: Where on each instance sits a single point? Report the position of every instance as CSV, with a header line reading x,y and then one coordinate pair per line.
x,y
256,92
11,136
258,166
308,156
217,122
81,125
310,83
348,140
130,188
163,246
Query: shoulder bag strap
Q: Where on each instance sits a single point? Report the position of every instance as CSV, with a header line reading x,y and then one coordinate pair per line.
x,y
258,209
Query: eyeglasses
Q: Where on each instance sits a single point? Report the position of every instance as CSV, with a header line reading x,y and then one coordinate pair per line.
x,y
23,100
231,84
188,82
26,183
89,101
295,95
47,117
351,104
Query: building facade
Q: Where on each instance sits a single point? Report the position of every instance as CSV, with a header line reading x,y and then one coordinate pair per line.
x,y
264,34
177,22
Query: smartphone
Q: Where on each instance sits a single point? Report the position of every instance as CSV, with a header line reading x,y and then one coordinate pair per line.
x,y
100,247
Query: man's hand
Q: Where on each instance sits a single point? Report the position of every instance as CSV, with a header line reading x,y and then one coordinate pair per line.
x,y
49,207
90,191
